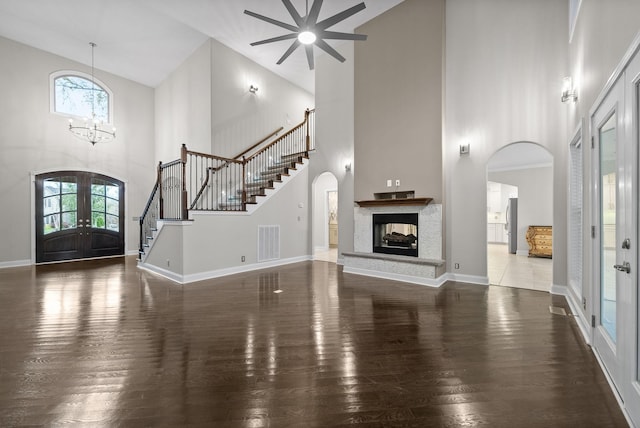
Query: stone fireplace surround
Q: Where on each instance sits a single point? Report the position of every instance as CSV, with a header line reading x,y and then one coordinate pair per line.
x,y
426,269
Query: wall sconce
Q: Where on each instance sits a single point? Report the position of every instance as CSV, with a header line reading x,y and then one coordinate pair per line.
x,y
464,149
253,89
568,91
347,166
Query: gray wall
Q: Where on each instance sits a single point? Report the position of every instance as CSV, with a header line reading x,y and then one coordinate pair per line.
x,y
183,107
206,104
505,60
214,243
33,140
603,33
240,118
398,101
334,136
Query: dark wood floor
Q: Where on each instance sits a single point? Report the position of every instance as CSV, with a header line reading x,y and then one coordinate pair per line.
x,y
101,343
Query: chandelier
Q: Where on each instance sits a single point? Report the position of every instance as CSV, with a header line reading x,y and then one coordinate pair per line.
x,y
91,130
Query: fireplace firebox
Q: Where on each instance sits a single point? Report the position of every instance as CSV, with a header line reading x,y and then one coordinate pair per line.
x,y
396,234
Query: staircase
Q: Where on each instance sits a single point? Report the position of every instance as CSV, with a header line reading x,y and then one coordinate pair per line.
x,y
203,182
256,187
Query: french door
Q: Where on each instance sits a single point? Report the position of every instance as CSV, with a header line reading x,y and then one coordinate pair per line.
x,y
613,276
78,215
614,128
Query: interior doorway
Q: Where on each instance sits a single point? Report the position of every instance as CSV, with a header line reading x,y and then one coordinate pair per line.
x,y
325,218
519,198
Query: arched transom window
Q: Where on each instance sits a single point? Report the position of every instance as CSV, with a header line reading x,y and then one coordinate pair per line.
x,y
74,94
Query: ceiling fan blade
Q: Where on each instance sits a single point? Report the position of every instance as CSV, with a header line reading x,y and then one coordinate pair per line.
x,y
275,39
340,16
341,36
312,18
309,49
293,12
289,51
272,21
328,49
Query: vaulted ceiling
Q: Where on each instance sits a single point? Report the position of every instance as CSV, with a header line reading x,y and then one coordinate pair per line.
x,y
145,40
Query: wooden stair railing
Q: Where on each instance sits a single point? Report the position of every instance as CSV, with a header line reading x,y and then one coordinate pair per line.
x,y
212,170
161,203
274,133
223,184
229,184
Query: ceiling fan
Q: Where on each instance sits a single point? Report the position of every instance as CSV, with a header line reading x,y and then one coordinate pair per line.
x,y
308,31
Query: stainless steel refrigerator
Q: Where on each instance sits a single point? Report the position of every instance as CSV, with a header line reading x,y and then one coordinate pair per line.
x,y
511,225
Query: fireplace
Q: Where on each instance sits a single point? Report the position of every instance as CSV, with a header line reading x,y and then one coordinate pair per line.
x,y
396,234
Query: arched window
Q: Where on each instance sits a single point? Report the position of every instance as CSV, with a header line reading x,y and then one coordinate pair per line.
x,y
75,94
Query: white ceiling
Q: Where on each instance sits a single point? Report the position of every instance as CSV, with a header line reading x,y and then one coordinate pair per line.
x,y
145,40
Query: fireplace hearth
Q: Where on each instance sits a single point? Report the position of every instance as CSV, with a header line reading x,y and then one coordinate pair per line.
x,y
395,234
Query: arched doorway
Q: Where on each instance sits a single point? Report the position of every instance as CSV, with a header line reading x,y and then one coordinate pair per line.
x,y
325,218
78,215
519,204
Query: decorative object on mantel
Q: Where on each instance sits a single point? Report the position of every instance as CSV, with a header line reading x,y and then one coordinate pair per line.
x,y
407,194
540,240
394,202
91,130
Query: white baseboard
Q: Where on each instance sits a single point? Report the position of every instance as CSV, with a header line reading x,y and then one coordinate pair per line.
x,y
175,277
15,263
201,276
578,314
613,387
470,279
522,253
430,282
581,321
560,290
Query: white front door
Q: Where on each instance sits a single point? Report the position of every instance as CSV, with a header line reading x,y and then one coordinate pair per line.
x,y
614,129
631,322
606,127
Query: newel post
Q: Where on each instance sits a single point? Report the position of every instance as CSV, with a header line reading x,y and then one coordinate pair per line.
x,y
183,160
308,137
244,183
160,197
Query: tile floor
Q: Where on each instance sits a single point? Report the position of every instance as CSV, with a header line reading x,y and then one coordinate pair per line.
x,y
330,255
509,270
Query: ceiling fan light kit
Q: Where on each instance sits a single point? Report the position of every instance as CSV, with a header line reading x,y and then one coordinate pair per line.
x,y
307,37
309,32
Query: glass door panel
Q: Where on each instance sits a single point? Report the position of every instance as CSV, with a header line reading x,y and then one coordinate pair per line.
x,y
608,200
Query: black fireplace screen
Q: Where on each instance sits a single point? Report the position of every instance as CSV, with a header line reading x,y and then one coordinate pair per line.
x,y
396,234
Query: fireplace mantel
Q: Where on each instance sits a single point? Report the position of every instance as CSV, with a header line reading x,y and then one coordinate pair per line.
x,y
394,202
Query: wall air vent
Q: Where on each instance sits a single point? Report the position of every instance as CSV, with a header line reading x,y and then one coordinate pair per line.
x,y
268,243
